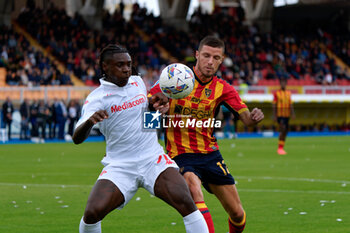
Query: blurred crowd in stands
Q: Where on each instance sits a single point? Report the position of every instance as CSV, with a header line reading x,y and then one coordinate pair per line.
x,y
251,56
40,120
79,49
25,66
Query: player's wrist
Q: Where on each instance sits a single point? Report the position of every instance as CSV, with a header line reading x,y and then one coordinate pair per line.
x,y
91,122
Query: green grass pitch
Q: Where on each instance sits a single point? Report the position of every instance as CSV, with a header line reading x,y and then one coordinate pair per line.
x,y
44,188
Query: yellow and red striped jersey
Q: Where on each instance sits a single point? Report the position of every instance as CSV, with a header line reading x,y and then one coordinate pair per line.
x,y
202,104
283,101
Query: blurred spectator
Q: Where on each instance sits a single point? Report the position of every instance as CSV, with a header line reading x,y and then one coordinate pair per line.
x,y
24,111
73,110
50,120
43,115
7,111
12,78
60,114
34,131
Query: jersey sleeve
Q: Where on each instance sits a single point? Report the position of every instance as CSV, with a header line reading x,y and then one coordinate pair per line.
x,y
90,106
232,100
154,89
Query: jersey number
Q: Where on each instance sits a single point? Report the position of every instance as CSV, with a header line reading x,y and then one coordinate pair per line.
x,y
224,169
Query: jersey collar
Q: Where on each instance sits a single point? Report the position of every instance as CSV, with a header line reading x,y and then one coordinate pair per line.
x,y
106,83
197,78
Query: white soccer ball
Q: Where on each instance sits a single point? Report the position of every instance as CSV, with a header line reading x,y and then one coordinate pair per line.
x,y
176,81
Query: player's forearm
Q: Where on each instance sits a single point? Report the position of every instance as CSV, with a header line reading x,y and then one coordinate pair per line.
x,y
251,118
249,122
150,104
82,132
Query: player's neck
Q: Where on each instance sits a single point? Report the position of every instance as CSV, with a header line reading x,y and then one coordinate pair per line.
x,y
201,77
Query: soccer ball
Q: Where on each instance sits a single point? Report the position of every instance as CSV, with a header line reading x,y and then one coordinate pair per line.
x,y
176,81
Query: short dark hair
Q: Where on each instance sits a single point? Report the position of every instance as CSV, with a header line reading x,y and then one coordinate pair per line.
x,y
108,51
211,41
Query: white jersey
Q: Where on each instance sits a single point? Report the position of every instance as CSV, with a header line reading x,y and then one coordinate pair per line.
x,y
126,140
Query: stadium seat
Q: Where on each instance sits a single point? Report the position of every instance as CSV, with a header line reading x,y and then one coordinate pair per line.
x,y
2,77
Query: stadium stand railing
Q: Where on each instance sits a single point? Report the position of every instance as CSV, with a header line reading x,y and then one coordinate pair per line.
x,y
18,93
66,93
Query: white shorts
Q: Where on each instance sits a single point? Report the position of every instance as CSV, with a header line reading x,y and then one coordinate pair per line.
x,y
129,176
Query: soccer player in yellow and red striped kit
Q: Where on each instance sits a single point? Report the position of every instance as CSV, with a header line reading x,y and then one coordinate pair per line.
x,y
195,148
282,110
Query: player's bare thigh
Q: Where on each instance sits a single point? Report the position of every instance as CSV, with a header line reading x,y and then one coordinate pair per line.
x,y
105,196
229,198
171,187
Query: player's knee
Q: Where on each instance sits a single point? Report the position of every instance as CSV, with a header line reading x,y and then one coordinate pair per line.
x,y
187,199
92,215
237,214
185,203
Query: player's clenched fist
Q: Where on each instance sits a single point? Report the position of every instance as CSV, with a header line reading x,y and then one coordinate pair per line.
x,y
98,116
257,115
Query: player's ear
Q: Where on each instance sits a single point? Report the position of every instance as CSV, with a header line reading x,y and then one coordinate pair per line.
x,y
197,54
104,66
222,58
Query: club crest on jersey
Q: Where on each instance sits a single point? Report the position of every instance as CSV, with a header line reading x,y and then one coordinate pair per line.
x,y
207,92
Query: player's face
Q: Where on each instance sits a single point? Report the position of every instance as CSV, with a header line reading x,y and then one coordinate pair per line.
x,y
209,60
118,68
283,84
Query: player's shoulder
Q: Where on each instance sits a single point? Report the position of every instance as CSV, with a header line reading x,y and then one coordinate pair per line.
x,y
221,80
96,94
96,91
226,86
136,78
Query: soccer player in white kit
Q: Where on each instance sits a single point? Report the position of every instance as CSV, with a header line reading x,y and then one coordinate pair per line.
x,y
134,157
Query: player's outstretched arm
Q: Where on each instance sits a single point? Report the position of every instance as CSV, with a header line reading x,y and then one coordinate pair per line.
x,y
252,118
83,130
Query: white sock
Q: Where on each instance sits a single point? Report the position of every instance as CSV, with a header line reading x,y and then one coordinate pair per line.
x,y
89,228
195,223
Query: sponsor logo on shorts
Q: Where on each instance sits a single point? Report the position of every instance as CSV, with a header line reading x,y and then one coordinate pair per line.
x,y
103,172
